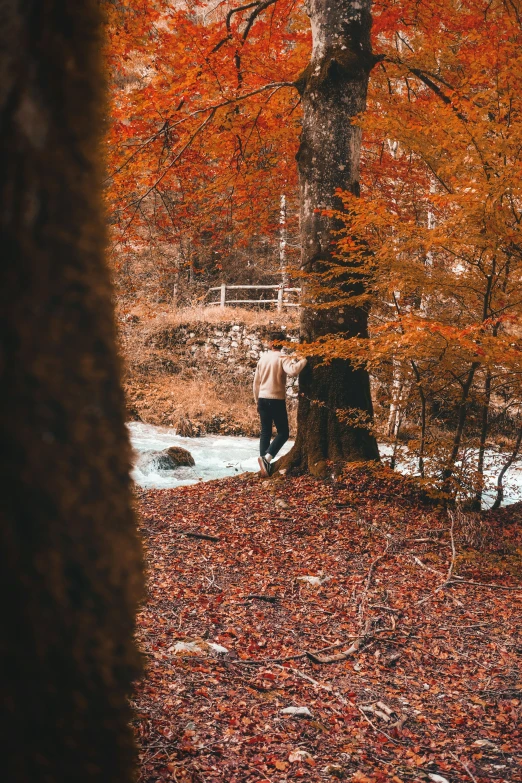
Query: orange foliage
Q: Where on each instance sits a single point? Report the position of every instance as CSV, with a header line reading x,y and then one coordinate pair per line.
x,y
436,234
204,119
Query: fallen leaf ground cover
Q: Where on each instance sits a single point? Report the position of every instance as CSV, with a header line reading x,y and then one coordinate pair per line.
x,y
418,676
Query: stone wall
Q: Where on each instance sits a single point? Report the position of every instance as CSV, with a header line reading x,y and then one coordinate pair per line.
x,y
224,349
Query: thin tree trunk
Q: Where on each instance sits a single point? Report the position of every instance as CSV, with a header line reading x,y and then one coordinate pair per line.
x,y
393,460
483,438
69,554
461,420
422,395
282,242
333,90
506,466
394,415
466,388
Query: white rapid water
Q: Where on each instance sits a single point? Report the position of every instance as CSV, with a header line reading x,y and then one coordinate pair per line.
x,y
217,456
493,464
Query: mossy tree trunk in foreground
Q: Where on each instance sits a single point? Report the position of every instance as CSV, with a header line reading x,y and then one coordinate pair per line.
x,y
70,560
333,90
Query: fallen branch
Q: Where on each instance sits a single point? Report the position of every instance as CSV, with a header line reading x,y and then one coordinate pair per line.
x,y
459,581
357,644
380,709
376,728
514,692
385,713
419,562
423,540
295,657
203,536
453,550
317,684
340,697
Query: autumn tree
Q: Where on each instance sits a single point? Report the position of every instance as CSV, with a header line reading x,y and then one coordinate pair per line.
x,y
437,234
335,405
70,558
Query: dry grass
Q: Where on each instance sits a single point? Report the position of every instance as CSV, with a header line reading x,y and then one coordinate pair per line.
x,y
215,315
164,388
204,402
195,406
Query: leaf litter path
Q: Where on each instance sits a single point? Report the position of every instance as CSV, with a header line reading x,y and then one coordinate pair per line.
x,y
427,686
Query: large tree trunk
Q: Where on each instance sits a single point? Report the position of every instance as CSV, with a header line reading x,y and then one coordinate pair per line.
x,y
70,562
333,90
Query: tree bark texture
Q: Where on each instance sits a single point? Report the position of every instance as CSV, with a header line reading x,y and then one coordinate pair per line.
x,y
70,560
333,90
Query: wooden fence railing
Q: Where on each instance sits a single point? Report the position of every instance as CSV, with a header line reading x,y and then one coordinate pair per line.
x,y
279,301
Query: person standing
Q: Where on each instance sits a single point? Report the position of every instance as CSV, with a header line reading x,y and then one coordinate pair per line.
x,y
270,395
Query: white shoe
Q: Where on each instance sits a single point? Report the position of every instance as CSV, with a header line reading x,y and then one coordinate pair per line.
x,y
264,466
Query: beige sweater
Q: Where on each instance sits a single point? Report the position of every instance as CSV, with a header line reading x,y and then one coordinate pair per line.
x,y
271,372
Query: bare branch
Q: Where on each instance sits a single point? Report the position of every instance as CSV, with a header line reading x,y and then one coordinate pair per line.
x,y
275,87
228,23
253,16
238,10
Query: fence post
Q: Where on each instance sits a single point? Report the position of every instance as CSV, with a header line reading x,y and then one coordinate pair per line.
x,y
280,293
223,295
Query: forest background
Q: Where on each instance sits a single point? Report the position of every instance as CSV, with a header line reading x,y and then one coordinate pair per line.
x,y
202,188
292,628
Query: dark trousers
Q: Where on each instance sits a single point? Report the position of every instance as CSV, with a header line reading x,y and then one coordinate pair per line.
x,y
272,412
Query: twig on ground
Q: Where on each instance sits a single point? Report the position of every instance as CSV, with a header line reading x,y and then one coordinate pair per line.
x,y
460,581
263,777
453,550
473,778
297,656
380,709
448,578
369,577
462,627
312,681
357,644
423,540
376,728
427,567
321,685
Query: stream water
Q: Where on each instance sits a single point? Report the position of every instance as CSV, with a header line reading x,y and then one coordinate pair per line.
x,y
218,456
